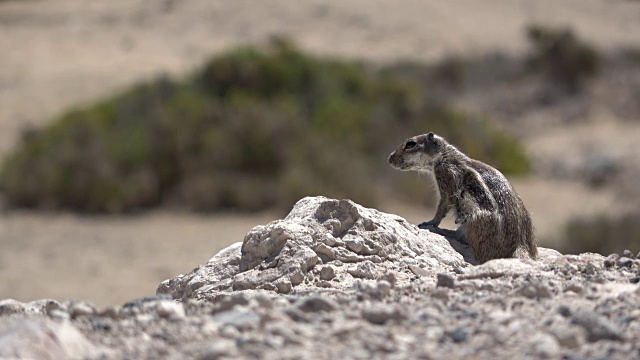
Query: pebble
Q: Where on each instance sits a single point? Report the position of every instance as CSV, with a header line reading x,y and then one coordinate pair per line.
x,y
446,280
283,285
418,270
610,261
459,335
573,287
535,291
81,308
327,272
383,313
544,345
240,319
384,286
597,327
317,303
364,270
170,310
625,262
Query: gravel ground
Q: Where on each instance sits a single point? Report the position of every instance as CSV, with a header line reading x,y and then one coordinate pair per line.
x,y
336,280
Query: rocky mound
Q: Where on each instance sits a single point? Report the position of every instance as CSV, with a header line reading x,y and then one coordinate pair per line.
x,y
337,280
322,245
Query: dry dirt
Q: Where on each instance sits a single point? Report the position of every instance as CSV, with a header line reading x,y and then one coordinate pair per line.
x,y
56,54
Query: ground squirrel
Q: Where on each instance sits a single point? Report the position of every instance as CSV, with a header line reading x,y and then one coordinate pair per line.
x,y
493,219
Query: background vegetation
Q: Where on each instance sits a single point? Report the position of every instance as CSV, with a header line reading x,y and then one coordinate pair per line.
x,y
603,234
564,58
250,130
260,128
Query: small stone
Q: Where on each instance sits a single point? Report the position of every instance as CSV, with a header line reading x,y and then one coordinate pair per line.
x,y
597,327
52,305
296,278
221,348
101,324
390,277
569,337
590,268
371,289
628,253
564,311
81,308
544,345
441,293
239,319
446,280
363,246
327,272
309,278
168,309
459,335
228,302
573,287
418,270
383,313
112,312
144,319
269,286
610,261
229,332
384,287
625,262
296,315
283,285
59,314
329,240
535,291
317,303
364,270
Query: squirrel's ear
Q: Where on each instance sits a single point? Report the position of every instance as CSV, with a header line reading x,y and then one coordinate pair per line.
x,y
430,136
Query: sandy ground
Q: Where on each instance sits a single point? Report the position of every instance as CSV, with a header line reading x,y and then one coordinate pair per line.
x,y
55,54
108,260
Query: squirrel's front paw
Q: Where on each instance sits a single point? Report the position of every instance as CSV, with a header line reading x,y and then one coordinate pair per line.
x,y
427,225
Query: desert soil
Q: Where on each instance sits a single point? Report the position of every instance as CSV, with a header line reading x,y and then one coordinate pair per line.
x,y
57,54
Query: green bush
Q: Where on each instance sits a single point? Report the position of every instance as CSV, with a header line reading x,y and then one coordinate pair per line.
x,y
567,60
603,234
250,130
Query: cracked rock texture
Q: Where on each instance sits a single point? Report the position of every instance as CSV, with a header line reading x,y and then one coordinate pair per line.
x,y
337,280
320,238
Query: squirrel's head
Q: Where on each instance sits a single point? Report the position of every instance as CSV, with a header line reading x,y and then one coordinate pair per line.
x,y
417,153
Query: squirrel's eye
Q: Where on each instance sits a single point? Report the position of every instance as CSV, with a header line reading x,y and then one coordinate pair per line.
x,y
410,145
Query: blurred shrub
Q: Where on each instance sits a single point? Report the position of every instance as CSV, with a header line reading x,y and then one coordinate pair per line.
x,y
250,130
603,234
452,71
567,60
